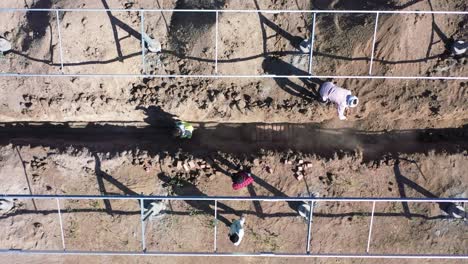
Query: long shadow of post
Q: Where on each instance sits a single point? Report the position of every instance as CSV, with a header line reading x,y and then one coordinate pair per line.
x,y
101,176
269,56
257,181
189,189
117,22
435,29
156,116
276,66
403,181
26,176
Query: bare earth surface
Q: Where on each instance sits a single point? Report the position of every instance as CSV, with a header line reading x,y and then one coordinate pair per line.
x,y
87,135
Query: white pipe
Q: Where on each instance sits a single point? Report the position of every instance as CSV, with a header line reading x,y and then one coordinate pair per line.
x,y
59,40
216,226
373,42
216,42
231,198
233,11
142,29
233,76
370,227
229,254
61,224
143,239
312,44
309,227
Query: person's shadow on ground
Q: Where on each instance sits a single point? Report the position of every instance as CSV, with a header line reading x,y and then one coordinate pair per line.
x,y
308,91
156,116
257,181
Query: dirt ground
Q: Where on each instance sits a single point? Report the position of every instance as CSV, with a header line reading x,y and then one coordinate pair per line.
x,y
249,44
88,135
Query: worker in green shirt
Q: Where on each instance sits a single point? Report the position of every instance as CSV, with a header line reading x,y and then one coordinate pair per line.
x,y
183,130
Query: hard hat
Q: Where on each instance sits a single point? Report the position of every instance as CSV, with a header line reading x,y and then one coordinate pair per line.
x,y
456,211
153,45
304,210
4,45
352,101
459,47
304,46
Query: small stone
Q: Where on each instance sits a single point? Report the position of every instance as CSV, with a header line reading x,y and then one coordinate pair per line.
x,y
299,176
179,165
202,166
300,168
186,167
300,162
309,165
191,164
256,162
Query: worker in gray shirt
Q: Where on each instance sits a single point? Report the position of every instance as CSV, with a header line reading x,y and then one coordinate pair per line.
x,y
236,231
340,96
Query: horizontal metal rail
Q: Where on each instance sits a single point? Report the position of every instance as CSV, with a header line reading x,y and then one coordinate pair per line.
x,y
228,254
233,76
216,75
142,198
233,11
231,198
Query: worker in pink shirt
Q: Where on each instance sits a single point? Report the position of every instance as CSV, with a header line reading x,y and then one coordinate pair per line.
x,y
340,96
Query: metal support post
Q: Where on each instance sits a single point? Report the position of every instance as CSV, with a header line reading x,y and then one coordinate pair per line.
x,y
59,39
142,32
143,239
373,42
312,38
216,225
61,224
370,227
216,42
309,228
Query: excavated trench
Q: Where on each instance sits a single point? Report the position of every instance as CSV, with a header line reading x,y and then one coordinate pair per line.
x,y
236,139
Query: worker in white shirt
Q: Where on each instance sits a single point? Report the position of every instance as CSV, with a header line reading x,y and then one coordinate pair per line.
x,y
340,96
236,231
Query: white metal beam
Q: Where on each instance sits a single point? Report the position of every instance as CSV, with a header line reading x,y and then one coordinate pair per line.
x,y
59,40
312,38
61,224
232,198
229,254
143,47
370,227
233,11
373,42
92,75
